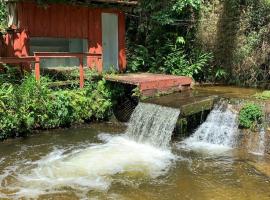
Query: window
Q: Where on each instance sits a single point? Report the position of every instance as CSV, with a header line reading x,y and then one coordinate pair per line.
x,y
45,44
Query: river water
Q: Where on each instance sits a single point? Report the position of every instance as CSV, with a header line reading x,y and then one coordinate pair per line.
x,y
99,162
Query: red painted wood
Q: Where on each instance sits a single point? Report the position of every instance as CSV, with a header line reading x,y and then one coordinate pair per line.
x,y
66,21
85,24
37,68
98,35
10,47
153,82
17,60
95,38
91,38
122,42
81,72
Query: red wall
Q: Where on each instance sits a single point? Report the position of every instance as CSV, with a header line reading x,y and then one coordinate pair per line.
x,y
65,21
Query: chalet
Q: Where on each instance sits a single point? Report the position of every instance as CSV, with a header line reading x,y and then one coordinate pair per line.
x,y
55,34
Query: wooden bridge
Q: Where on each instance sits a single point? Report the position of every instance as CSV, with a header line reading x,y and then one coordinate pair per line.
x,y
150,84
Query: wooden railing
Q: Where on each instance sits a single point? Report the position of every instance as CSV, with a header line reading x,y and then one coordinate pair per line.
x,y
49,55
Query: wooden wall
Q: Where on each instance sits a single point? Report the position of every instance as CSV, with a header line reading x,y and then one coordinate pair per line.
x,y
66,21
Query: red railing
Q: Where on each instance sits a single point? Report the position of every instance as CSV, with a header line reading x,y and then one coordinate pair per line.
x,y
49,55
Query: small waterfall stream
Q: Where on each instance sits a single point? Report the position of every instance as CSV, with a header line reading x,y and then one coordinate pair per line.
x,y
218,130
140,152
256,145
152,124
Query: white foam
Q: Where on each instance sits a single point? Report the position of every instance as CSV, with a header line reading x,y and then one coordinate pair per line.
x,y
91,168
217,133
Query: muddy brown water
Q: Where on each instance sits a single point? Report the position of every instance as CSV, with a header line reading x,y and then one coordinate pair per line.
x,y
97,162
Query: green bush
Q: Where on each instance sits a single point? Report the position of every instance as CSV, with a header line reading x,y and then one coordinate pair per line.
x,y
3,15
249,115
265,95
29,106
9,117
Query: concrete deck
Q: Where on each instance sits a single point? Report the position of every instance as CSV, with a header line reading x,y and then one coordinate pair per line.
x,y
150,84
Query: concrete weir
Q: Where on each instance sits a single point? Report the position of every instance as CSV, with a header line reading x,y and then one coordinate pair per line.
x,y
194,108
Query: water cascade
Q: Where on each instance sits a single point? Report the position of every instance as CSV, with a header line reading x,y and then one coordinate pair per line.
x,y
152,124
219,130
141,153
256,144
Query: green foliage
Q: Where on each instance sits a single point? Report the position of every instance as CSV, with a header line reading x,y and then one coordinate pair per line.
x,y
249,115
178,63
140,59
265,95
29,105
160,40
9,117
3,15
237,32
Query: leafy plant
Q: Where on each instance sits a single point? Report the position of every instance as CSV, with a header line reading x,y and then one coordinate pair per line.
x,y
249,115
265,95
3,15
31,105
158,41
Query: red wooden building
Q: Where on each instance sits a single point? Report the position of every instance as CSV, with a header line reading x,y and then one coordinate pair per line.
x,y
59,34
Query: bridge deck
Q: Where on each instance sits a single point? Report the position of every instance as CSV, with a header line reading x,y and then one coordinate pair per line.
x,y
150,84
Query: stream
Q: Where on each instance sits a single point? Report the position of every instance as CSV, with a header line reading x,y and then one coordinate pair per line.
x,y
97,162
135,161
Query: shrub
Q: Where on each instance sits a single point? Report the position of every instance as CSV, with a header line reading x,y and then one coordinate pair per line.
x,y
265,95
9,117
249,115
31,106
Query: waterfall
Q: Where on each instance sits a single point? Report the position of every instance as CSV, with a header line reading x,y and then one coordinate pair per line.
x,y
152,124
256,145
141,152
218,130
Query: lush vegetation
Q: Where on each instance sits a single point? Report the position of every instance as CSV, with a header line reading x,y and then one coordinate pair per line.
x,y
30,105
3,15
160,41
237,33
210,40
265,95
250,115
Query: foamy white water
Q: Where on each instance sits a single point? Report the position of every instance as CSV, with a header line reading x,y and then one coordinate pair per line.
x,y
92,168
153,124
133,155
217,132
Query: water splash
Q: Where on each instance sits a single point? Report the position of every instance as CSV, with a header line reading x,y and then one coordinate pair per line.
x,y
140,153
152,124
218,131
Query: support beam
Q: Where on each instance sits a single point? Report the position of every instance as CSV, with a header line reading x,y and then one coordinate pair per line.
x,y
81,72
37,69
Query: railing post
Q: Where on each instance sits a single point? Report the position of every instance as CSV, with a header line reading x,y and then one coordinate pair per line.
x,y
37,68
81,72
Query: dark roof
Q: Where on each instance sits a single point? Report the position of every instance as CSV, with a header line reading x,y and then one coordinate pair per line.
x,y
123,2
126,2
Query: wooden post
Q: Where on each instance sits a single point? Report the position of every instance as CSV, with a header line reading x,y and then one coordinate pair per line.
x,y
81,72
37,68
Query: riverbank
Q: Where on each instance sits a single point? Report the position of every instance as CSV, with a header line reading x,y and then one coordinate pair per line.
x,y
28,105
